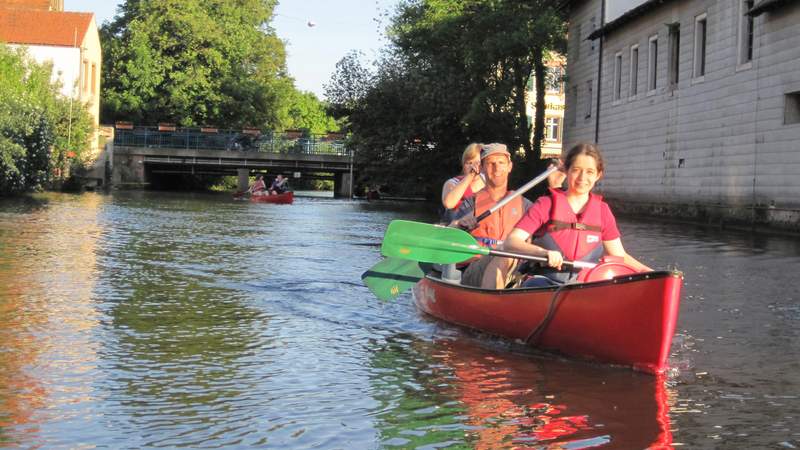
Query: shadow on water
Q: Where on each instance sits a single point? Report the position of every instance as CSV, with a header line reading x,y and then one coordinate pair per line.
x,y
24,204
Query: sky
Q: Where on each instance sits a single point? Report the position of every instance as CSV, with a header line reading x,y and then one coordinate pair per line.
x,y
339,26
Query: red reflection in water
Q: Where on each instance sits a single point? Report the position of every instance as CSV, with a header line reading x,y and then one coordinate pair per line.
x,y
518,402
21,395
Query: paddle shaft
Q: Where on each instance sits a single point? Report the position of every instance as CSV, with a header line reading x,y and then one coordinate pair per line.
x,y
525,188
436,244
576,264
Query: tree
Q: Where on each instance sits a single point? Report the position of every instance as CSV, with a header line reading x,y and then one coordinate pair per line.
x,y
498,45
348,85
455,72
194,62
40,130
305,111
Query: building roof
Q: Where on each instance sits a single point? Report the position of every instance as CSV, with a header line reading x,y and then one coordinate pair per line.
x,y
32,27
764,6
638,11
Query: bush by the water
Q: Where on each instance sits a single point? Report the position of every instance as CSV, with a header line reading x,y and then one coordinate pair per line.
x,y
40,129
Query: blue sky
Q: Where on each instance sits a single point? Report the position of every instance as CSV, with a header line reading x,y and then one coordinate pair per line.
x,y
312,52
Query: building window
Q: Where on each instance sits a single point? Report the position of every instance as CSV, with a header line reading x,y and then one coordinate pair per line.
x,y
576,42
85,76
652,63
700,35
674,54
587,109
553,81
634,79
791,109
617,76
94,79
593,26
746,29
552,128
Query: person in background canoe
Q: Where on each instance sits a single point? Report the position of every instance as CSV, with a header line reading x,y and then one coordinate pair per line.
x,y
279,186
488,271
465,185
575,224
259,187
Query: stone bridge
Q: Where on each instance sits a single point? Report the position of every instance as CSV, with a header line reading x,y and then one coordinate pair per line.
x,y
139,154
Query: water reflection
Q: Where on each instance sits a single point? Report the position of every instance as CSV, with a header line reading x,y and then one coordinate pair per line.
x,y
47,279
184,320
456,392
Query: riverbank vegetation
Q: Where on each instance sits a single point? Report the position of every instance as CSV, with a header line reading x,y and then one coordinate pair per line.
x,y
43,134
196,63
454,72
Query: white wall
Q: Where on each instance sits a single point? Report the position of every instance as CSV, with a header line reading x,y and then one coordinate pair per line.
x,y
719,139
66,67
616,8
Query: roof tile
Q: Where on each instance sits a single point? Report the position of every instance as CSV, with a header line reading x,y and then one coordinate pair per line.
x,y
31,27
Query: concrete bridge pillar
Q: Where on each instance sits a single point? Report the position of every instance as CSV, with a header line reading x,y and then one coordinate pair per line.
x,y
128,172
244,178
342,186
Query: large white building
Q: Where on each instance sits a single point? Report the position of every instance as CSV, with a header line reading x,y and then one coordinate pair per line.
x,y
695,104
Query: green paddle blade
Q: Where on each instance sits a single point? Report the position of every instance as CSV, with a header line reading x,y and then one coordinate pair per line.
x,y
391,277
429,243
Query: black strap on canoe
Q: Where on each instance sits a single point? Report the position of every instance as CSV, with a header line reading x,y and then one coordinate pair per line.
x,y
534,336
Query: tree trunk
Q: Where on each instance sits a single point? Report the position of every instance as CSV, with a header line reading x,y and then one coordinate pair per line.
x,y
538,121
523,131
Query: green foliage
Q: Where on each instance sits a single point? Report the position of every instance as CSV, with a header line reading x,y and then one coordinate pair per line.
x,y
304,111
194,62
455,72
39,128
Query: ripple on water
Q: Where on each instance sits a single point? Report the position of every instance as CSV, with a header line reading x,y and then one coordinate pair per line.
x,y
177,320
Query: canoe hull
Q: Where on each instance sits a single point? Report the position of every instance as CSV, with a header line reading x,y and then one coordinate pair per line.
x,y
285,198
628,320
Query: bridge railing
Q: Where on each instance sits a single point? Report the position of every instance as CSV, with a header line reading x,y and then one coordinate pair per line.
x,y
197,139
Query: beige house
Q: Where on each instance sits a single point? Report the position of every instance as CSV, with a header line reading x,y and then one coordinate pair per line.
x,y
554,105
695,103
68,40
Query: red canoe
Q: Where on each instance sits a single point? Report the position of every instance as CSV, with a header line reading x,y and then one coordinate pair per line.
x,y
285,198
628,320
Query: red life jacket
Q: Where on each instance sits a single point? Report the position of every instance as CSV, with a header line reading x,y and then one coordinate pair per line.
x,y
577,238
497,226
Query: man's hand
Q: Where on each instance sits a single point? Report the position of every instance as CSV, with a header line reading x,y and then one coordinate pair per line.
x,y
467,222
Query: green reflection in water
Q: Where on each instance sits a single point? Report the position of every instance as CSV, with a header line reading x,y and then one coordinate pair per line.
x,y
416,399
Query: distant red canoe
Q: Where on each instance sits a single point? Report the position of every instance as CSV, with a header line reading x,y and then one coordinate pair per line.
x,y
628,320
285,198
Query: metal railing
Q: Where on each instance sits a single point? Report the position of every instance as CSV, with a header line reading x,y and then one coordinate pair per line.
x,y
233,140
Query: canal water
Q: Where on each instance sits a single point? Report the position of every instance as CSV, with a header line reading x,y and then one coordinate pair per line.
x,y
156,320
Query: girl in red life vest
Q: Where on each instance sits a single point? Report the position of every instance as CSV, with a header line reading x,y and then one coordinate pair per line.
x,y
259,187
465,185
574,225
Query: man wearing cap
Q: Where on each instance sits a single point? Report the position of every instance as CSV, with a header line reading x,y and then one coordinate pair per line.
x,y
488,271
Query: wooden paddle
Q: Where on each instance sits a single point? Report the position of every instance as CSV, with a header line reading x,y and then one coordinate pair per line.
x,y
393,276
423,242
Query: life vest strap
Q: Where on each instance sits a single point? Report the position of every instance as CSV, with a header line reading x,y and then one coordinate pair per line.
x,y
557,225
